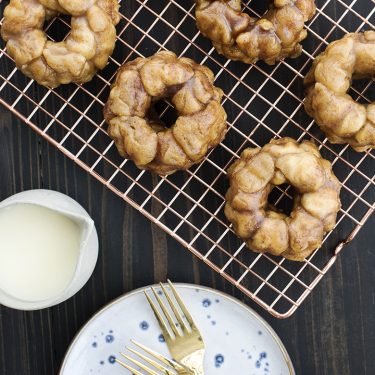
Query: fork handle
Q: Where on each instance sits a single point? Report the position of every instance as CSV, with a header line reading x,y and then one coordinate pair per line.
x,y
195,362
192,371
198,371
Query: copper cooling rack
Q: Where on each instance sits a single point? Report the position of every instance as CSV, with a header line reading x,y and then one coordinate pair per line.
x,y
262,102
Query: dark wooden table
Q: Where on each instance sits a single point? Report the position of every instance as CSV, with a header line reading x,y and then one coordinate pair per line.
x,y
332,333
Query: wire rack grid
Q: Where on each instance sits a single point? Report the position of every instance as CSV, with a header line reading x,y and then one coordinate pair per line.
x,y
262,102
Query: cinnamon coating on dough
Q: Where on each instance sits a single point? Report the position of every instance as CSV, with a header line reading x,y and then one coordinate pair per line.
x,y
139,134
316,201
341,118
77,58
238,36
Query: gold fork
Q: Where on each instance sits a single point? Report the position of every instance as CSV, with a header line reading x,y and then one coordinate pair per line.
x,y
181,334
155,360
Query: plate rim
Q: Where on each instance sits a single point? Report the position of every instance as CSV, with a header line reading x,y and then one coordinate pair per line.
x,y
142,289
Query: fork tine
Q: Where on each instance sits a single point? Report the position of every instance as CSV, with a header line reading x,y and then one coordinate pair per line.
x,y
188,316
160,357
148,360
160,319
176,312
166,314
131,369
141,365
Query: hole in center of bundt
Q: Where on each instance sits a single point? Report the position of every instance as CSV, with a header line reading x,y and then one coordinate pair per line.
x,y
256,8
57,29
363,91
163,112
282,197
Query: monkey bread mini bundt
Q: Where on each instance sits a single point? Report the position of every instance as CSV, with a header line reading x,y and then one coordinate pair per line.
x,y
238,36
316,201
338,115
139,134
86,49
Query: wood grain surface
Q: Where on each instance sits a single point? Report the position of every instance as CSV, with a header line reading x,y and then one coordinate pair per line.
x,y
332,333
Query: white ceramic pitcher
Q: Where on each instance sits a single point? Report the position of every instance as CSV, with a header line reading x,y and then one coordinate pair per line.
x,y
88,252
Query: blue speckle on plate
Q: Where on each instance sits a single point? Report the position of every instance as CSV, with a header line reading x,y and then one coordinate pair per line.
x,y
219,360
160,292
109,339
112,359
217,300
263,355
257,364
161,338
102,363
213,323
144,325
94,344
206,302
260,333
110,331
226,333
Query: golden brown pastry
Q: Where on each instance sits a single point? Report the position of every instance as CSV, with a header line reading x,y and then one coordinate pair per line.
x,y
76,59
139,134
238,36
341,118
316,201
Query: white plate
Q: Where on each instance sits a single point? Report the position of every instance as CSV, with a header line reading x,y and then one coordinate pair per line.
x,y
238,341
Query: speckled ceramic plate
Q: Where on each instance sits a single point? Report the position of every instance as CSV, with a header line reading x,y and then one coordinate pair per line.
x,y
238,340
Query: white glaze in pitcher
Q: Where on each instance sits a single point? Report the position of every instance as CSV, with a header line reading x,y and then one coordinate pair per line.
x,y
88,247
